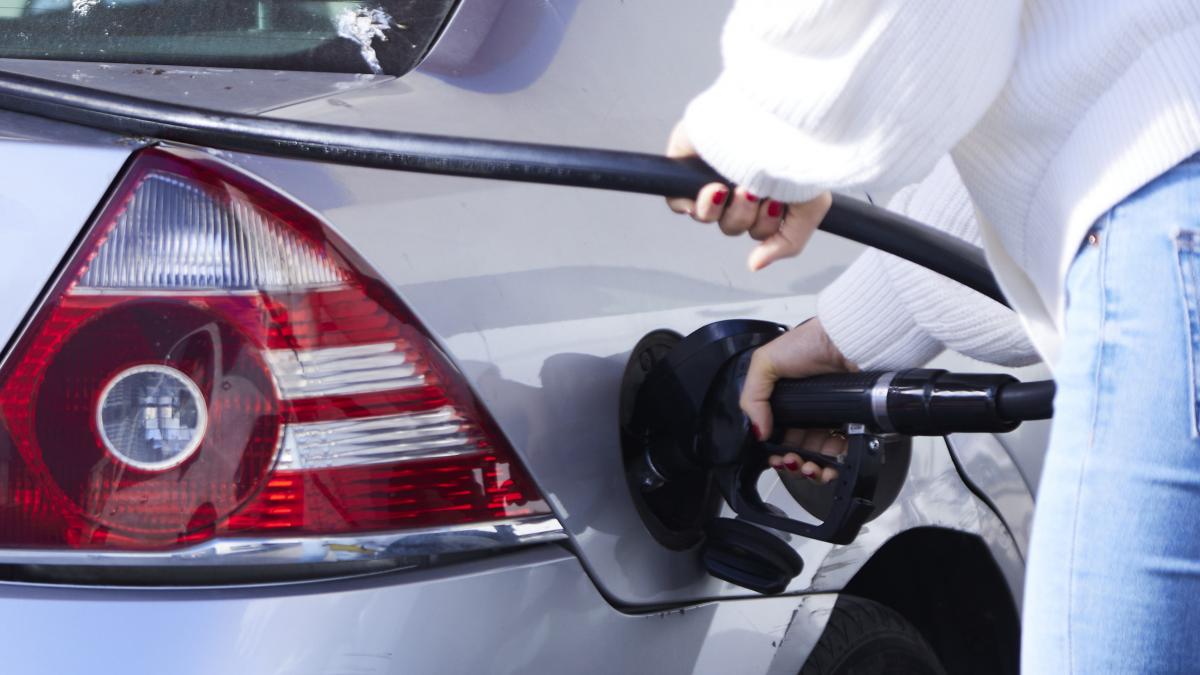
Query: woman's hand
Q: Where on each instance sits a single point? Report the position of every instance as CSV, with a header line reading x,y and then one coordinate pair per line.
x,y
783,230
801,352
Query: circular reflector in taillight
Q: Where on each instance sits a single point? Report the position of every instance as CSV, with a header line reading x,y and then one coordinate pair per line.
x,y
151,417
156,418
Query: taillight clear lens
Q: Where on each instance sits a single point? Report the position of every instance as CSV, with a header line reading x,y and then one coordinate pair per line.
x,y
214,363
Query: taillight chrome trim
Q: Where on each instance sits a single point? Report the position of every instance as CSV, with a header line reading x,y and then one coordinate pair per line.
x,y
404,546
337,371
369,440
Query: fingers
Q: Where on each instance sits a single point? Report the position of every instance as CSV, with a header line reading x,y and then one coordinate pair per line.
x,y
741,213
797,227
756,393
769,218
782,230
735,212
832,446
793,464
813,440
682,205
747,213
706,207
711,203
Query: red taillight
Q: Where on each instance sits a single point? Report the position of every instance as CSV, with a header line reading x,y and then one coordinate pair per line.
x,y
214,363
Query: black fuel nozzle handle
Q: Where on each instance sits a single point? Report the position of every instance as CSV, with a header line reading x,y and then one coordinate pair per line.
x,y
824,401
919,402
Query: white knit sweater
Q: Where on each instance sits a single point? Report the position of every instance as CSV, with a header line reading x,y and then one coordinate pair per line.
x,y
885,313
1052,110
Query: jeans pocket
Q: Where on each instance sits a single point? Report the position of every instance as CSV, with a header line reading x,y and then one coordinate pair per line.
x,y
1187,244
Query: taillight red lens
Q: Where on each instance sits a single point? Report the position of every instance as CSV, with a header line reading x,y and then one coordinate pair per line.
x,y
214,362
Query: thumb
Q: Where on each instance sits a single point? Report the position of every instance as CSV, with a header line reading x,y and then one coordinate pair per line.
x,y
776,247
755,400
797,227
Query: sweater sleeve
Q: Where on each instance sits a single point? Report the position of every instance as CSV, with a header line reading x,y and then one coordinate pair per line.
x,y
837,95
885,313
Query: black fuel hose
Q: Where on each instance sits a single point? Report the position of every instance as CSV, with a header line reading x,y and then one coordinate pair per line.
x,y
917,402
1027,400
468,157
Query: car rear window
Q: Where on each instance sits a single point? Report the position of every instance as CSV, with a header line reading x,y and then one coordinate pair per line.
x,y
379,36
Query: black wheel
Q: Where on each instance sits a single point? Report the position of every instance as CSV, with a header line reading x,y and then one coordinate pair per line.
x,y
866,638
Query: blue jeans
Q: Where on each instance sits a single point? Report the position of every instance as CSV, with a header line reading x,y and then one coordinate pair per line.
x,y
1113,584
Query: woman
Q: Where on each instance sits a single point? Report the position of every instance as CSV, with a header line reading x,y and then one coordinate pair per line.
x,y
1073,124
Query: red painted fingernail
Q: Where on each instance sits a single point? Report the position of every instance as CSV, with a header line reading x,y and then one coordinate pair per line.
x,y
719,197
754,430
751,197
774,209
791,464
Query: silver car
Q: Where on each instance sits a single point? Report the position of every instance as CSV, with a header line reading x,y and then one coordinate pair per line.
x,y
263,415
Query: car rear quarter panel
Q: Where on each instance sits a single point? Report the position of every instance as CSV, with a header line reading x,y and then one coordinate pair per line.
x,y
52,176
540,292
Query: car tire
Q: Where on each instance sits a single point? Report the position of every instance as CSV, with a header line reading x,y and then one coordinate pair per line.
x,y
867,638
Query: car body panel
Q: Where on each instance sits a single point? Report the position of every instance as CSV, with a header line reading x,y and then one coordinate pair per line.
x,y
527,612
52,176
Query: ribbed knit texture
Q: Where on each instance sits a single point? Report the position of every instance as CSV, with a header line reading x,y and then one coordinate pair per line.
x,y
1053,110
885,313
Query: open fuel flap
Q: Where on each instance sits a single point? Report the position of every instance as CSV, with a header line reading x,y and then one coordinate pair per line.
x,y
688,447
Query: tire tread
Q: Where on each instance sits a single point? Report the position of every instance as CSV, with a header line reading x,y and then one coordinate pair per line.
x,y
855,619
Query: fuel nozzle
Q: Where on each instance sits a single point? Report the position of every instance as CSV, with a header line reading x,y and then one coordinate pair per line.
x,y
685,438
917,402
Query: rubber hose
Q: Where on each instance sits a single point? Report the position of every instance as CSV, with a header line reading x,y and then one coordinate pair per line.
x,y
468,157
1023,401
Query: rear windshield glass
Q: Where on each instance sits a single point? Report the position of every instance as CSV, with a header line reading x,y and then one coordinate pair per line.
x,y
378,36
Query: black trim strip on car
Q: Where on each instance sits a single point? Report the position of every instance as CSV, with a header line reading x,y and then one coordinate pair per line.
x,y
468,157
